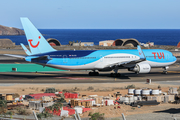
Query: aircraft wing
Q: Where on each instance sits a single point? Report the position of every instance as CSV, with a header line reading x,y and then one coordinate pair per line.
x,y
17,56
141,55
125,63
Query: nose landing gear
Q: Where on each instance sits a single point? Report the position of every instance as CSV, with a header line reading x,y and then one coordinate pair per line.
x,y
165,70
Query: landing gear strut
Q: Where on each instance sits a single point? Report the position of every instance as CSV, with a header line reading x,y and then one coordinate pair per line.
x,y
94,73
165,70
116,74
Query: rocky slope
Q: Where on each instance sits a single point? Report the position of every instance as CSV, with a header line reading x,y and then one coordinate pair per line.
x,y
10,31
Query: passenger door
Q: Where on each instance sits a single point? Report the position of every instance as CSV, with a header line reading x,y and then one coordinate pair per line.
x,y
65,59
167,57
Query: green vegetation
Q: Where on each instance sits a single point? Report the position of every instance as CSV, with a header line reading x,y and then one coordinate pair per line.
x,y
96,116
90,88
23,111
15,95
44,114
47,112
130,86
3,107
10,113
50,90
3,103
159,87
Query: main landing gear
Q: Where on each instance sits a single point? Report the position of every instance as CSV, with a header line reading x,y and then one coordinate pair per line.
x,y
94,73
165,70
116,74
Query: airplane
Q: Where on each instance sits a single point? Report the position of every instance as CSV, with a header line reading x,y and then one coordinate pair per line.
x,y
136,60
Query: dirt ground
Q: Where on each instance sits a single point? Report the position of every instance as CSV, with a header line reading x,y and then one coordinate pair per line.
x,y
100,89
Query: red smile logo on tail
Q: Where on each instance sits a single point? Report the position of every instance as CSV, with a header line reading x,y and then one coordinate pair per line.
x,y
34,46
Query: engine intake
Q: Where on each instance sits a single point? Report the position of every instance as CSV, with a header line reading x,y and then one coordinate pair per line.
x,y
141,68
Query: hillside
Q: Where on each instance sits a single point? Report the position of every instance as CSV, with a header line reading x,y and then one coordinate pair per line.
x,y
10,31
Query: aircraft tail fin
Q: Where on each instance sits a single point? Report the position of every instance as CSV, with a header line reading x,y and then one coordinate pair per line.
x,y
37,43
141,54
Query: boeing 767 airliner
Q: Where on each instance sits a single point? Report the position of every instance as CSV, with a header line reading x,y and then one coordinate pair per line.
x,y
138,60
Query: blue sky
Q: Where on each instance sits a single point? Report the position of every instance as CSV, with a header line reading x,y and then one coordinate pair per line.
x,y
92,14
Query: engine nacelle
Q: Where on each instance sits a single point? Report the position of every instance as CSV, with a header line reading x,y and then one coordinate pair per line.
x,y
141,68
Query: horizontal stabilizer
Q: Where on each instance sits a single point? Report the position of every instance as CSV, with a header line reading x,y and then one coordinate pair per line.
x,y
25,49
17,56
46,57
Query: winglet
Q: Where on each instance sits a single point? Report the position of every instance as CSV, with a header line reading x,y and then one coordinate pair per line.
x,y
26,50
141,54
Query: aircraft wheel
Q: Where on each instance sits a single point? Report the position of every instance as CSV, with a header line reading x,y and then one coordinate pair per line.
x,y
137,73
115,74
93,74
165,72
112,74
118,75
90,73
96,73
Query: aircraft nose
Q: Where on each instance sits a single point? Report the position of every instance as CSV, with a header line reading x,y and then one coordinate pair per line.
x,y
174,58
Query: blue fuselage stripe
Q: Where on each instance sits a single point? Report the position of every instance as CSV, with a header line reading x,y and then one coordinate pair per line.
x,y
82,57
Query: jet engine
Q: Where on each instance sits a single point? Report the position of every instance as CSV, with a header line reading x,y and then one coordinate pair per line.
x,y
141,68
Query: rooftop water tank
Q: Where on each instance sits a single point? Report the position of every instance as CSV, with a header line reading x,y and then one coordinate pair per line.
x,y
145,92
131,91
155,92
137,92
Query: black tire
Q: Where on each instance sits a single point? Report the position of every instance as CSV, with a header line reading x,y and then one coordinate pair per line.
x,y
96,74
112,74
90,73
118,75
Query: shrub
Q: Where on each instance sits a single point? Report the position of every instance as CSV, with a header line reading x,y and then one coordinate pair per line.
x,y
159,87
40,115
22,111
90,88
76,89
3,107
130,86
50,90
3,103
10,113
42,90
3,111
45,114
58,90
96,116
15,95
